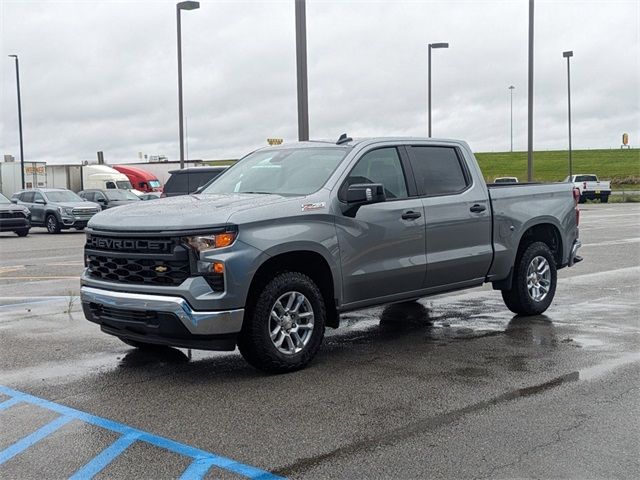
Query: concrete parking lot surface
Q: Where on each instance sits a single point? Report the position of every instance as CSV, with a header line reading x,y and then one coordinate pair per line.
x,y
453,386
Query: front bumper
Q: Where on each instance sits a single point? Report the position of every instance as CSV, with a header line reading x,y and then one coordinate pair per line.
x,y
11,224
75,221
159,318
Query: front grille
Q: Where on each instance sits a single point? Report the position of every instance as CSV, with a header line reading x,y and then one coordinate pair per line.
x,y
12,215
142,316
84,212
138,270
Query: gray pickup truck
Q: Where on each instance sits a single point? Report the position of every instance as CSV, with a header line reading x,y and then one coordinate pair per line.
x,y
283,242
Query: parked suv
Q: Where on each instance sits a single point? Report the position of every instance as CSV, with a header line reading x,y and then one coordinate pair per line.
x,y
188,180
14,218
290,237
56,208
109,198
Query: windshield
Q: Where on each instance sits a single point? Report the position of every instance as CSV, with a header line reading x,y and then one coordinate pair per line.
x,y
124,184
4,199
120,195
154,183
291,171
62,196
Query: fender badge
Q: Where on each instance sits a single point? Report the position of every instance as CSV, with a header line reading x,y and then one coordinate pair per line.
x,y
306,207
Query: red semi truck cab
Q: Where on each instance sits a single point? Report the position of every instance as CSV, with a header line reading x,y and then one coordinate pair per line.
x,y
140,179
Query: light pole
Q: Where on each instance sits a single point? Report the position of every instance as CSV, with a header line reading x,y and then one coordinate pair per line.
x,y
530,97
19,117
301,70
511,88
432,45
190,5
568,56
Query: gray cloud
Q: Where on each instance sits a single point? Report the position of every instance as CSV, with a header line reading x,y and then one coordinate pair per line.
x,y
101,75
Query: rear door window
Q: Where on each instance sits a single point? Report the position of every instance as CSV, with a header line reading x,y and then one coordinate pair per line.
x,y
438,170
177,183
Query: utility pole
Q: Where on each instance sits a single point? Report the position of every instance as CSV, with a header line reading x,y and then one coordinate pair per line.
x,y
301,70
511,87
188,5
19,117
568,56
530,99
431,46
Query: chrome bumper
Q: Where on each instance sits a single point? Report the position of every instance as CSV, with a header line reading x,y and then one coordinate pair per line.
x,y
573,256
197,322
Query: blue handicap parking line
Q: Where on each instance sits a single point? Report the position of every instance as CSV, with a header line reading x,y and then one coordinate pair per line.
x,y
202,462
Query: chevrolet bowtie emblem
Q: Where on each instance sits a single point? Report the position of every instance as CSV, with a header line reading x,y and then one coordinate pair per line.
x,y
161,269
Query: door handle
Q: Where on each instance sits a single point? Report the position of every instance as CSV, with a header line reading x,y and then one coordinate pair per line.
x,y
411,215
477,208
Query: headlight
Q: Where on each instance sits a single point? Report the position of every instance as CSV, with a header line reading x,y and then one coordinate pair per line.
x,y
66,210
201,243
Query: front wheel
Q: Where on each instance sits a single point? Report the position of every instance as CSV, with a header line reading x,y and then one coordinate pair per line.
x,y
284,329
23,232
52,224
534,281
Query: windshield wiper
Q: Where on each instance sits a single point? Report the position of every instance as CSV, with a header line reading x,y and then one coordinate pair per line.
x,y
260,193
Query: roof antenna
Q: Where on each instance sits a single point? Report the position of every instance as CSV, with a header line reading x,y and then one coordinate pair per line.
x,y
344,139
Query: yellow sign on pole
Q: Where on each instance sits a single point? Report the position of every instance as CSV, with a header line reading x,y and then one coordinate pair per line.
x,y
625,139
275,141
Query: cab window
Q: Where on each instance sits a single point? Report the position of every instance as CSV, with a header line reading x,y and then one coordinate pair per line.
x,y
379,166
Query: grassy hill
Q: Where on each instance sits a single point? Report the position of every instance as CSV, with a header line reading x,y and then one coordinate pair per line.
x,y
620,166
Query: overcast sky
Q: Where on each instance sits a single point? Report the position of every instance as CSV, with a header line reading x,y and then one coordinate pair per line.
x,y
101,75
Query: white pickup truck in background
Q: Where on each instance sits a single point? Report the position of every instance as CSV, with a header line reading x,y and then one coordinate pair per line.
x,y
590,187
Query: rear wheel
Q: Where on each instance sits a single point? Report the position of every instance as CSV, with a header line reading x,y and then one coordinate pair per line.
x,y
23,232
284,328
534,281
52,224
79,228
604,198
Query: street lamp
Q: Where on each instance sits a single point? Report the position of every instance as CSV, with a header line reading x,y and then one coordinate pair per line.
x,y
19,116
511,88
432,45
568,56
190,5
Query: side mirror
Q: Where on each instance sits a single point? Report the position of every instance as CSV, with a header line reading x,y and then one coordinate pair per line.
x,y
14,200
365,193
40,202
101,200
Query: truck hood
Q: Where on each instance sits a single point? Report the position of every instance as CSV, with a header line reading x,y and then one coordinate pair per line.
x,y
186,212
12,207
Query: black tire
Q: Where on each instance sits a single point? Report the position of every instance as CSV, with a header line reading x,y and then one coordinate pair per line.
x,y
255,342
604,199
23,232
79,228
518,299
582,199
52,224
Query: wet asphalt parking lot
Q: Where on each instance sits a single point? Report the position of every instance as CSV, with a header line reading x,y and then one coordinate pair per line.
x,y
451,387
